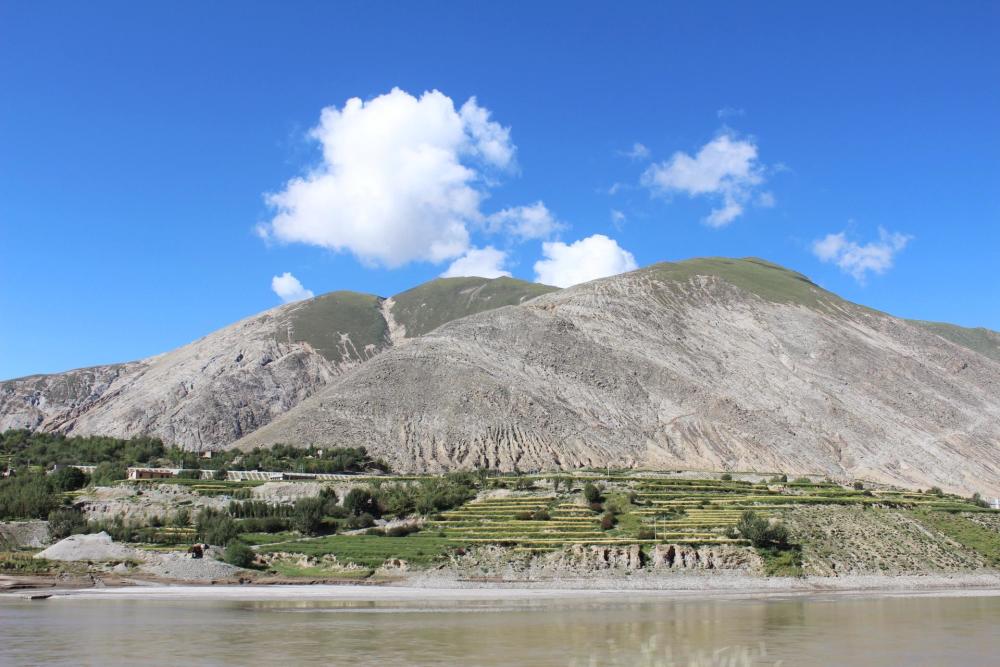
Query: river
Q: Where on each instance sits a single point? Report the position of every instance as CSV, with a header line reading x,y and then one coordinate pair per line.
x,y
584,629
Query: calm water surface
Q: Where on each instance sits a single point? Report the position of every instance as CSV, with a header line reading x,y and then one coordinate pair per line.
x,y
791,631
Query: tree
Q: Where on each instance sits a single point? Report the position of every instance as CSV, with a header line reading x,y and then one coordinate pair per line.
x,y
726,477
65,522
214,527
761,532
68,479
859,486
307,515
108,473
591,493
360,501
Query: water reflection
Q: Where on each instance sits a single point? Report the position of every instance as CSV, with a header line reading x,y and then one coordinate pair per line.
x,y
617,631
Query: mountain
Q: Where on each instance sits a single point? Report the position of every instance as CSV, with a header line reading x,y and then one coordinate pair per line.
x,y
211,392
709,363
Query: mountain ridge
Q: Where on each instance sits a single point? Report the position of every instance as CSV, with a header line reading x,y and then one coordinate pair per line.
x,y
708,362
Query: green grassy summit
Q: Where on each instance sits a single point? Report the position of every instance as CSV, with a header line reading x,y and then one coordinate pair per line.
x,y
765,279
339,325
428,306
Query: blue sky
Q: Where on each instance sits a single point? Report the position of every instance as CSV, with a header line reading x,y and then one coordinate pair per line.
x,y
139,143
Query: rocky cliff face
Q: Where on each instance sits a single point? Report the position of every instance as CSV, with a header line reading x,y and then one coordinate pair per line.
x,y
715,364
217,389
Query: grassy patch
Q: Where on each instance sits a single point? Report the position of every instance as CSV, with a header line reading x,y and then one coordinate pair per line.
x,y
254,539
292,570
23,563
782,562
982,540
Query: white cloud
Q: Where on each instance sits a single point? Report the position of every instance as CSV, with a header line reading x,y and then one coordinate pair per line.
x,y
525,222
483,262
593,257
402,179
289,288
725,168
858,260
637,152
617,217
729,112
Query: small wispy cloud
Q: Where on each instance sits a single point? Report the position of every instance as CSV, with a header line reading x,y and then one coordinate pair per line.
x,y
289,289
858,260
725,168
637,152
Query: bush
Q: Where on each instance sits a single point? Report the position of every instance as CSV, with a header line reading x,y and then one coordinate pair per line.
x,y
802,480
859,486
779,479
978,500
591,493
238,554
181,519
68,479
935,490
761,532
607,521
363,520
402,530
220,475
65,522
646,534
189,474
726,477
214,527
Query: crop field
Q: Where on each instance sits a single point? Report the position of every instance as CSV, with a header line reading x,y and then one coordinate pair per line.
x,y
632,509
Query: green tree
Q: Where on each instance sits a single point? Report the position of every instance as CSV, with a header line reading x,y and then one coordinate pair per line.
x,y
591,493
68,479
360,501
761,532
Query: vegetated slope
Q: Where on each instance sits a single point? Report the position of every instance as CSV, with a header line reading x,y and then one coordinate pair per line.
x,y
978,339
211,392
428,306
710,363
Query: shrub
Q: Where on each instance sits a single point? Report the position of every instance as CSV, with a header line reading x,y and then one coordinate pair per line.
x,y
607,521
935,490
363,520
189,474
859,486
596,507
401,530
523,516
978,500
801,480
779,479
239,554
68,479
646,534
220,475
65,522
726,477
591,493
761,532
182,518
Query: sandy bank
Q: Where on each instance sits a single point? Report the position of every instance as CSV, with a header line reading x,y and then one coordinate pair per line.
x,y
674,587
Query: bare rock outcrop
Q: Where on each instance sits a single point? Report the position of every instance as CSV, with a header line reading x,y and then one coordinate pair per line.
x,y
710,364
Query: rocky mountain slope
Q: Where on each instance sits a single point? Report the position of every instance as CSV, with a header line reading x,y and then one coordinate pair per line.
x,y
714,363
207,394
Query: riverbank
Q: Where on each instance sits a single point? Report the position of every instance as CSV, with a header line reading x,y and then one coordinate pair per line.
x,y
439,588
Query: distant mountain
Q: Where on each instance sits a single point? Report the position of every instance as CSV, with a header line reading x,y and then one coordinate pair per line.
x,y
709,363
